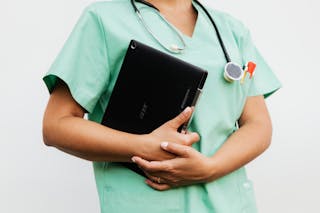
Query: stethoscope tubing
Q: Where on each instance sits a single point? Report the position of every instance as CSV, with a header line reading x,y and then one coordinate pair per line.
x,y
232,71
179,50
226,54
173,49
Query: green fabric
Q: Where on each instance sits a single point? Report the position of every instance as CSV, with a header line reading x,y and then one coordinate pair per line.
x,y
90,62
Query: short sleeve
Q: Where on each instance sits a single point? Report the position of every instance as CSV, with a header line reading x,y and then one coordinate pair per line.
x,y
264,81
82,63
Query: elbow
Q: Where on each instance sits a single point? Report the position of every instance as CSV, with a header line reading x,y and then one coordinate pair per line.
x,y
46,136
267,132
267,144
48,132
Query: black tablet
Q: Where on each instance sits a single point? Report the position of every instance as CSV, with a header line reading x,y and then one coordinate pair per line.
x,y
152,88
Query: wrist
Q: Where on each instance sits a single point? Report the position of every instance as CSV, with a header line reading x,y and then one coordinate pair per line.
x,y
148,148
213,169
141,146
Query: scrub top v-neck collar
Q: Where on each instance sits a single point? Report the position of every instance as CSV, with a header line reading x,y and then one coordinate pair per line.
x,y
144,4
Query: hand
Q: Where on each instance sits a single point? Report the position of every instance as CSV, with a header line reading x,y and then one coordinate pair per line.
x,y
189,167
168,132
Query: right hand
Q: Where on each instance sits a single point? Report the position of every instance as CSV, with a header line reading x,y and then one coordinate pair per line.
x,y
168,133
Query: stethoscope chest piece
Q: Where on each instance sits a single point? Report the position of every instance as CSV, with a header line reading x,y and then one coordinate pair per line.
x,y
232,72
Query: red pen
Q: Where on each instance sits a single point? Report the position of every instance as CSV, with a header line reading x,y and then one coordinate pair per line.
x,y
249,68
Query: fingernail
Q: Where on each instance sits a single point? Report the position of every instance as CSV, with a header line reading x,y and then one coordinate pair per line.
x,y
133,159
187,109
164,144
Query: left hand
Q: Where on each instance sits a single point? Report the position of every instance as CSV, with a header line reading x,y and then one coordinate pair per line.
x,y
189,167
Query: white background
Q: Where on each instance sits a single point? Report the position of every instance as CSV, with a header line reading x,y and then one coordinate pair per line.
x,y
34,178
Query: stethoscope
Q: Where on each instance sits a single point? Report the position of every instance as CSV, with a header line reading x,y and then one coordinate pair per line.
x,y
232,71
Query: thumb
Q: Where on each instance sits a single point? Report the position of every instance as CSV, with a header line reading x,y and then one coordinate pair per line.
x,y
180,119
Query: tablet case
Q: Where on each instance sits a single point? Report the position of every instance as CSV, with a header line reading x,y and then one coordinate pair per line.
x,y
152,87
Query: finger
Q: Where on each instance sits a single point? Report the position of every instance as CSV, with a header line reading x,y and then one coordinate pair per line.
x,y
191,138
159,187
153,178
182,118
176,149
153,166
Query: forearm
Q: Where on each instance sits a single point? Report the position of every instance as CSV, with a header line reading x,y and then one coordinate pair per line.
x,y
65,129
92,141
242,146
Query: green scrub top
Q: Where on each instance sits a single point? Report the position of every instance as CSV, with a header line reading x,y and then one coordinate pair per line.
x,y
90,62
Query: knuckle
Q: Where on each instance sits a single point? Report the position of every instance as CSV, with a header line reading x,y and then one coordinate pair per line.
x,y
186,116
152,167
193,138
168,167
185,140
173,182
182,117
147,167
190,141
186,151
196,136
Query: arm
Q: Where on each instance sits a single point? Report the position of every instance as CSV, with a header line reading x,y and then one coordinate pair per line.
x,y
252,138
65,129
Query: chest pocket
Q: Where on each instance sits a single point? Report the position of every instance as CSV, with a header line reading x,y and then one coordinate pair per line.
x,y
236,91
